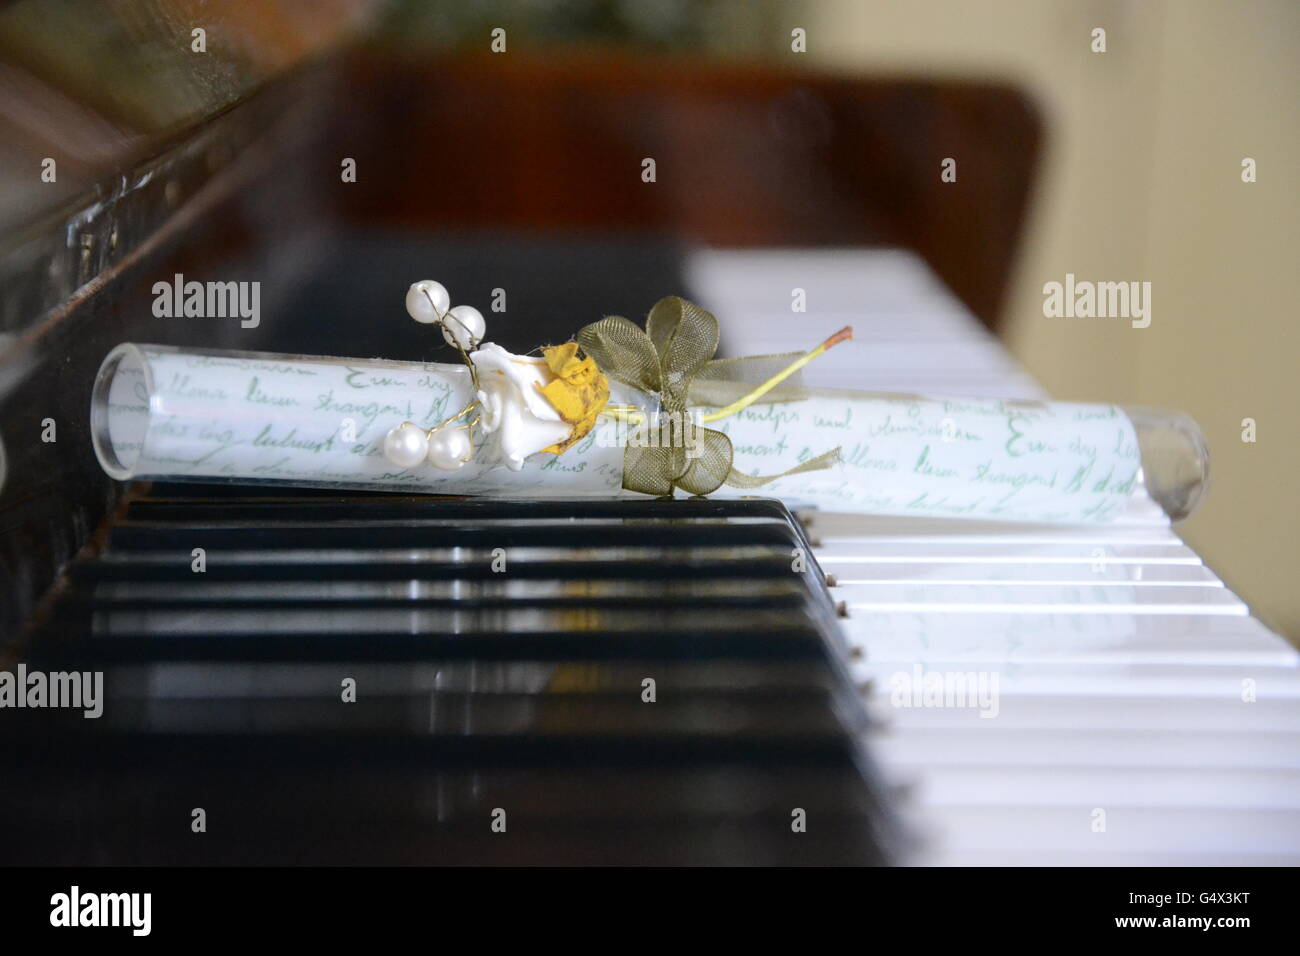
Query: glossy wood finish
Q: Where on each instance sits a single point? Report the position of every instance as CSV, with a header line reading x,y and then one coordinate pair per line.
x,y
745,155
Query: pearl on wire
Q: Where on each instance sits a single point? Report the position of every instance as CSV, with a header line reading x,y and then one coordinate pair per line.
x,y
450,448
447,449
464,326
406,445
427,301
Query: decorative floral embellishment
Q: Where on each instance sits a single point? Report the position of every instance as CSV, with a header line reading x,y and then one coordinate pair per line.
x,y
548,403
528,404
515,406
579,391
666,359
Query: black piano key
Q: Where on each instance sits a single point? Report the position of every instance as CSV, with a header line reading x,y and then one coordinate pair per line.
x,y
475,689
196,502
196,593
415,532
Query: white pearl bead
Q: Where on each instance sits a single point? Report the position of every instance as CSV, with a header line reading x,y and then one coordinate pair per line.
x,y
427,301
464,325
450,448
406,445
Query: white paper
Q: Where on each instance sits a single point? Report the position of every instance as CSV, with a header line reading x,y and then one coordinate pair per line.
x,y
972,458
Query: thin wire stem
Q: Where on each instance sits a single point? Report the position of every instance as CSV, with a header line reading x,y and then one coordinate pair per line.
x,y
473,404
843,335
624,413
442,320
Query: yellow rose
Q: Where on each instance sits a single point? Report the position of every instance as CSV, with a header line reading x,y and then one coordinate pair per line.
x,y
578,393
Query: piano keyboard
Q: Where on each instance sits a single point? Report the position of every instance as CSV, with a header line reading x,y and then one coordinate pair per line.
x,y
499,654
1142,715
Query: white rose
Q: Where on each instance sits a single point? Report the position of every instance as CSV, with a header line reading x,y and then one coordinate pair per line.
x,y
523,421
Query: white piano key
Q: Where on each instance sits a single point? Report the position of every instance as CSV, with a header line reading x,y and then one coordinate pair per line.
x,y
1062,638
1031,575
1103,537
1111,787
1132,830
1078,679
987,744
1151,858
1116,712
765,330
1141,521
917,336
964,389
833,554
860,356
846,278
931,597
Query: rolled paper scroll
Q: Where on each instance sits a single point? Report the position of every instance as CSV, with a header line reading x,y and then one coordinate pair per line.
x,y
978,458
167,414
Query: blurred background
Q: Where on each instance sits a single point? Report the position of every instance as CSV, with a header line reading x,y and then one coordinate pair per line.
x,y
1141,179
1122,165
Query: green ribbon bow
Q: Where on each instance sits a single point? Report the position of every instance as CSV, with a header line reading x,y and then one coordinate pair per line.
x,y
673,359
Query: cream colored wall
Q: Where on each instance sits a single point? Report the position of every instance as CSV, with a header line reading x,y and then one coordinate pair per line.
x,y
1142,181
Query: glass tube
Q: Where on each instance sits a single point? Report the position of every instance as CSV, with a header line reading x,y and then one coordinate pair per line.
x,y
1175,459
169,414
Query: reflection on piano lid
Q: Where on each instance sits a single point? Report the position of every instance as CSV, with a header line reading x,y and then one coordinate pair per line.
x,y
508,672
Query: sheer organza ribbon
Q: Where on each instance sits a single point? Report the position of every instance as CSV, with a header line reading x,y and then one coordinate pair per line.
x,y
673,359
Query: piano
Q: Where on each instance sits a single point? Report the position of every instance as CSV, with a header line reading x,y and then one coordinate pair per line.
x,y
348,680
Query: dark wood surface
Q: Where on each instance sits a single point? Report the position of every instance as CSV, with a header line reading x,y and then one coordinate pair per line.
x,y
745,155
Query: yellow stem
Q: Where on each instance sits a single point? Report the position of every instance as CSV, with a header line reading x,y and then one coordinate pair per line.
x,y
741,404
623,413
